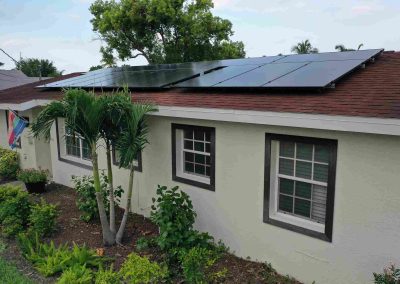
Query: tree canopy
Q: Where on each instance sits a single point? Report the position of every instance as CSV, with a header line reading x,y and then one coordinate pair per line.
x,y
163,31
34,67
96,67
341,47
1,63
304,47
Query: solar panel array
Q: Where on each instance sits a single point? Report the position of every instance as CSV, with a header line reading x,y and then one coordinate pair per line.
x,y
284,71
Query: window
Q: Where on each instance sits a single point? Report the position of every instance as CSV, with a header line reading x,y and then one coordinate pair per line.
x,y
138,160
193,155
300,183
76,146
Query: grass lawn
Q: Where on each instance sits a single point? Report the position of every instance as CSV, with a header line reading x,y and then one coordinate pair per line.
x,y
9,273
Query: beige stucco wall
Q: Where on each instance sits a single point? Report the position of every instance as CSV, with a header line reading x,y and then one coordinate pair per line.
x,y
366,228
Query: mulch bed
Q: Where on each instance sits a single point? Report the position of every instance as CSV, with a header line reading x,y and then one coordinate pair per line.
x,y
71,229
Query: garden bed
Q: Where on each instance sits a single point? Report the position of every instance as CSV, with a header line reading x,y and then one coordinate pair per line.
x,y
71,229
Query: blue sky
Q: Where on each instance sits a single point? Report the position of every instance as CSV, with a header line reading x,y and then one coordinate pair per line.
x,y
61,30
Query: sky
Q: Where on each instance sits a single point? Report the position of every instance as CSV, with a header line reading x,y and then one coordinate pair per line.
x,y
61,31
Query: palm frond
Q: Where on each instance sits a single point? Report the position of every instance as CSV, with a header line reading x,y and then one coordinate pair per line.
x,y
42,125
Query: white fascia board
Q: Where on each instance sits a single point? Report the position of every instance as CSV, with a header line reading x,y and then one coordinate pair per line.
x,y
25,105
386,126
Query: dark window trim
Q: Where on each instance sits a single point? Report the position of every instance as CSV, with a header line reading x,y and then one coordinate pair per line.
x,y
175,127
19,142
137,168
61,159
332,144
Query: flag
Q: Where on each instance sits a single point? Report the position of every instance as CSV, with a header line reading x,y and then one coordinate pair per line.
x,y
16,126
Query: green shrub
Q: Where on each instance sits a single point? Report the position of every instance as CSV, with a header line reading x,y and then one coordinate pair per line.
x,y
86,201
9,164
43,217
14,210
195,264
108,276
173,212
77,274
32,176
137,269
50,260
390,275
144,243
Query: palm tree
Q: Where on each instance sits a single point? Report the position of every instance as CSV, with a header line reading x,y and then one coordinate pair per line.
x,y
304,47
132,140
84,116
116,106
341,47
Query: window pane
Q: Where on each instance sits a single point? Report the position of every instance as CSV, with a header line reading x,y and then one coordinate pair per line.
x,y
321,154
189,167
73,147
188,144
303,189
286,186
303,169
199,146
286,166
286,203
304,151
188,134
85,151
189,157
321,172
208,136
286,149
319,203
200,159
199,135
208,160
200,169
208,147
302,207
208,169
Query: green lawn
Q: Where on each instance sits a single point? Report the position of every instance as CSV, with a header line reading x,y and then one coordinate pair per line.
x,y
9,273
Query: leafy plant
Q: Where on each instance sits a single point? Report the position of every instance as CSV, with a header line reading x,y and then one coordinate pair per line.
x,y
77,274
9,164
32,176
137,269
195,263
86,201
173,212
43,217
144,243
107,276
14,210
390,275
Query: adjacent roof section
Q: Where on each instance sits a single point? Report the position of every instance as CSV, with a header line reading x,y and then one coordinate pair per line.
x,y
318,70
13,78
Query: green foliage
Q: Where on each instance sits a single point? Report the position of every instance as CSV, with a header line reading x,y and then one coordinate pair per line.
x,y
77,274
96,67
86,201
43,217
304,47
50,260
107,276
137,269
9,164
33,67
173,212
163,31
390,275
32,176
144,243
195,262
9,274
14,210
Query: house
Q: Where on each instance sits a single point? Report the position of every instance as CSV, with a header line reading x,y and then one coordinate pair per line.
x,y
302,172
13,78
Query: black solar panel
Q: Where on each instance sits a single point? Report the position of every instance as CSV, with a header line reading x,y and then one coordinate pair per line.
x,y
288,71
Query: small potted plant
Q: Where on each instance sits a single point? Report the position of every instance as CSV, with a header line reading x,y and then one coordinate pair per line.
x,y
35,180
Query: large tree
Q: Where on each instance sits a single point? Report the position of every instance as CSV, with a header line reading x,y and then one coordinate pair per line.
x,y
34,67
304,47
163,31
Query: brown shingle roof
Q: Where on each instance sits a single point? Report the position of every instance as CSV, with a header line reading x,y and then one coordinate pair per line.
x,y
370,92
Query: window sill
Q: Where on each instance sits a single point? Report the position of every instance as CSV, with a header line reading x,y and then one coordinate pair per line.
x,y
193,182
71,161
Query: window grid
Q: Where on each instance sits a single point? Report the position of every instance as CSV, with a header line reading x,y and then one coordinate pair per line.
x,y
197,161
76,146
296,180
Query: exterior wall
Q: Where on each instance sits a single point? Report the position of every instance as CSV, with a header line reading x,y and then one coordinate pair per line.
x,y
367,202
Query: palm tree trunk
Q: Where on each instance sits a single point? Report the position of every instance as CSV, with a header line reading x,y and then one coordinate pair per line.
x,y
121,229
108,236
110,188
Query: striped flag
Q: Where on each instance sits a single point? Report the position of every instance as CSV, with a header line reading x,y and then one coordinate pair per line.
x,y
16,126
